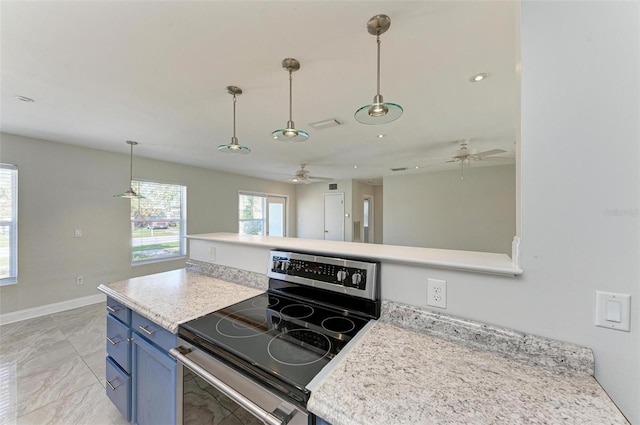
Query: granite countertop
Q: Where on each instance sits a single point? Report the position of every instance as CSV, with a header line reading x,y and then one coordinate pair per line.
x,y
398,376
413,366
174,297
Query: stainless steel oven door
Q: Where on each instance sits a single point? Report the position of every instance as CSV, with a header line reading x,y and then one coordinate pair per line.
x,y
209,391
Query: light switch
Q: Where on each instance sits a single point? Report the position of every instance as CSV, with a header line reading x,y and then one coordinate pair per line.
x,y
613,311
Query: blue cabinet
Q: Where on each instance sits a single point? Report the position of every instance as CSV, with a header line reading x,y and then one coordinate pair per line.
x,y
119,388
154,385
141,377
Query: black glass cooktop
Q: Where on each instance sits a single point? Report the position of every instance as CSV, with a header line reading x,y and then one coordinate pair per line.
x,y
275,338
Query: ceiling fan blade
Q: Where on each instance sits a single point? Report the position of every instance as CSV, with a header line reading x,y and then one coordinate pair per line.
x,y
481,155
320,178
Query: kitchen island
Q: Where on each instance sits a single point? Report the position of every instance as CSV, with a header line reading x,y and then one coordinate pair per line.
x,y
402,371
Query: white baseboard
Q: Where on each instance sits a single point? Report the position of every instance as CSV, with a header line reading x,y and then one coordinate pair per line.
x,y
30,313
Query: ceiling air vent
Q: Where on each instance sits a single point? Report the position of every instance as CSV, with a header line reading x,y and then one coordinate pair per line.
x,y
321,125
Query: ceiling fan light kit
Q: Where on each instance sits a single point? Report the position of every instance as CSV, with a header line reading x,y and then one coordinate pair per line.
x,y
302,176
290,134
379,111
464,155
130,193
234,146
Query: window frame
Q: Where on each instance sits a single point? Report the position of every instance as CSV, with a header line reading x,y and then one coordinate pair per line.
x,y
135,183
12,278
265,214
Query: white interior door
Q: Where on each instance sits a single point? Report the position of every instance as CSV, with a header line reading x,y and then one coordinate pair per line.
x,y
334,216
276,216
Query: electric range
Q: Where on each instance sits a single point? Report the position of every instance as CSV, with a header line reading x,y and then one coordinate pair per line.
x,y
280,340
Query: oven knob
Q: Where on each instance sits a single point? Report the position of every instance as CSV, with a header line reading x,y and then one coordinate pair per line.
x,y
356,278
285,265
276,265
342,276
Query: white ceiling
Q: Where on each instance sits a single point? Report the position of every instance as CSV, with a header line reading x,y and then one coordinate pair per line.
x,y
156,72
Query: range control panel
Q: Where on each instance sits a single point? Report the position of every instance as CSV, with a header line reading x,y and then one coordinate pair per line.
x,y
355,277
331,273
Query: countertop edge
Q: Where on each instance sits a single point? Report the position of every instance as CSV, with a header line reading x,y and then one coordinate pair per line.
x,y
478,262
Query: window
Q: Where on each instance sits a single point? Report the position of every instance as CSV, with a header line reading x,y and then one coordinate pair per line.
x,y
158,221
8,224
260,214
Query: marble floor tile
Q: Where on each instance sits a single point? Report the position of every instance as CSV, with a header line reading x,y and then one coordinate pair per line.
x,y
79,314
90,339
88,405
37,351
38,389
52,370
97,363
23,328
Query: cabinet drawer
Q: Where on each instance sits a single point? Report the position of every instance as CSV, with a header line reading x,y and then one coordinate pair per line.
x,y
118,343
118,310
153,332
119,388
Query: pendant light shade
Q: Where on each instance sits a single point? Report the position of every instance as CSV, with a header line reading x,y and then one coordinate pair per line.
x,y
234,146
290,134
379,111
130,193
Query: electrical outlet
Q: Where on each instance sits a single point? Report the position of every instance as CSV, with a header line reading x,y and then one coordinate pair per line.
x,y
79,280
78,233
437,293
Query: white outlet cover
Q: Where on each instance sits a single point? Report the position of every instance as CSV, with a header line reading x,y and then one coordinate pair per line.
x,y
437,293
622,302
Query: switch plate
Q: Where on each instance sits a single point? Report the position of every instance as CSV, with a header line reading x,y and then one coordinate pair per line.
x,y
437,293
79,280
613,311
78,233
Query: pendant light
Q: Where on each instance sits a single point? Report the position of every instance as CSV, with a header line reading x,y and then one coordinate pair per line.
x,y
130,193
290,134
234,147
378,112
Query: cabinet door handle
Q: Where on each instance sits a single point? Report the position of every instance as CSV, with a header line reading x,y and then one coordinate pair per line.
x,y
145,330
113,310
112,341
111,385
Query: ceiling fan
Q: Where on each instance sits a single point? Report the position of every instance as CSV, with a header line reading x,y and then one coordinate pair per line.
x,y
465,155
302,176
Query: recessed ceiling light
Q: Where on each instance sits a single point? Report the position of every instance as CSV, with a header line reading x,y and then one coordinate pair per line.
x,y
355,166
478,77
24,99
380,136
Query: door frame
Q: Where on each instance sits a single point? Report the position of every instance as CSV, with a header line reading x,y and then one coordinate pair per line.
x,y
324,218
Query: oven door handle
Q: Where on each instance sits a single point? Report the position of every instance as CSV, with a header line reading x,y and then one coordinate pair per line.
x,y
257,411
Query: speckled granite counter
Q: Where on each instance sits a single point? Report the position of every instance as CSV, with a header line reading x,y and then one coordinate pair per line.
x,y
413,367
174,297
397,376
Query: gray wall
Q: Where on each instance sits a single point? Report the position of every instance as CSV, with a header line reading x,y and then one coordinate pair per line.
x,y
310,208
64,187
439,210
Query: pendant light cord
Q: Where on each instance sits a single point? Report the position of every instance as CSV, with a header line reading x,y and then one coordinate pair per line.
x,y
234,117
290,95
378,42
131,165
